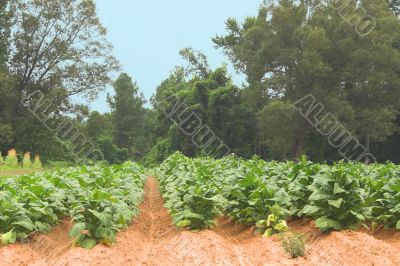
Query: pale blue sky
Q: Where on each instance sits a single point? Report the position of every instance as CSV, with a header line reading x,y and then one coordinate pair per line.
x,y
148,34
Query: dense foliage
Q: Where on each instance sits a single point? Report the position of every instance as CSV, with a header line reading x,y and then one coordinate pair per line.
x,y
265,194
190,191
286,51
101,201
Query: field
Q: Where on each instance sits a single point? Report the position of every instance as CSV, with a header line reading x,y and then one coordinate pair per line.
x,y
14,172
202,212
199,132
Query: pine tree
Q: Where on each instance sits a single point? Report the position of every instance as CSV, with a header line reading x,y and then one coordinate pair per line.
x,y
128,114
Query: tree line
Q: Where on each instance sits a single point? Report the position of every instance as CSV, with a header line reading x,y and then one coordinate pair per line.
x,y
289,50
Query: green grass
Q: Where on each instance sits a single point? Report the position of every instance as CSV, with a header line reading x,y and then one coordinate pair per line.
x,y
9,172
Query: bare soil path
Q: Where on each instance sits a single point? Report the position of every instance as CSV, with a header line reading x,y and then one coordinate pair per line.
x,y
153,240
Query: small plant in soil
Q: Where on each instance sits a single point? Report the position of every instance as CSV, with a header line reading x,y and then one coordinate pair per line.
x,y
293,244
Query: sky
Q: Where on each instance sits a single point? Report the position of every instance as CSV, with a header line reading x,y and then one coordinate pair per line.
x,y
148,34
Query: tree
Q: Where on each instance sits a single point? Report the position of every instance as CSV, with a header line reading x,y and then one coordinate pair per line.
x,y
296,48
112,153
5,15
128,114
59,44
6,130
275,122
374,76
212,101
248,48
395,6
7,136
57,48
198,63
98,125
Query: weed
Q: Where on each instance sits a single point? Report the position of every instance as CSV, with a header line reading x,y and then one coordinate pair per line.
x,y
293,244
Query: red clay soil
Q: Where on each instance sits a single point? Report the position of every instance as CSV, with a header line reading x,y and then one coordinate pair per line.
x,y
153,240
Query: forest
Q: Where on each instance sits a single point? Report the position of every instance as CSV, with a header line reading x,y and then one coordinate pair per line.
x,y
345,55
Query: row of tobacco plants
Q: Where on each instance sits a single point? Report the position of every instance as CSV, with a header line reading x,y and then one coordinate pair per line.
x,y
266,194
101,200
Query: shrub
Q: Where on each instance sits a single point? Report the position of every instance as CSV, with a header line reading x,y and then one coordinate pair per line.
x,y
293,244
37,164
26,161
112,153
11,159
1,159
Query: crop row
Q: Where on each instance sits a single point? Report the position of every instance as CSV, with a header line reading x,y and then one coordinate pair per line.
x,y
343,195
101,200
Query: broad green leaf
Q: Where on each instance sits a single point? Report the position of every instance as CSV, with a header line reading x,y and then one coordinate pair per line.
x,y
101,195
268,232
317,195
106,234
336,203
77,229
398,225
261,223
358,215
189,214
26,223
87,243
8,238
310,210
281,226
105,218
36,189
325,224
184,223
337,189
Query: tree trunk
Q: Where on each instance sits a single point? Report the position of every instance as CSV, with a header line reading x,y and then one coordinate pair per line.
x,y
298,146
367,160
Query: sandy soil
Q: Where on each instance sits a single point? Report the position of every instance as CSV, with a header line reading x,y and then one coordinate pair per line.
x,y
153,240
